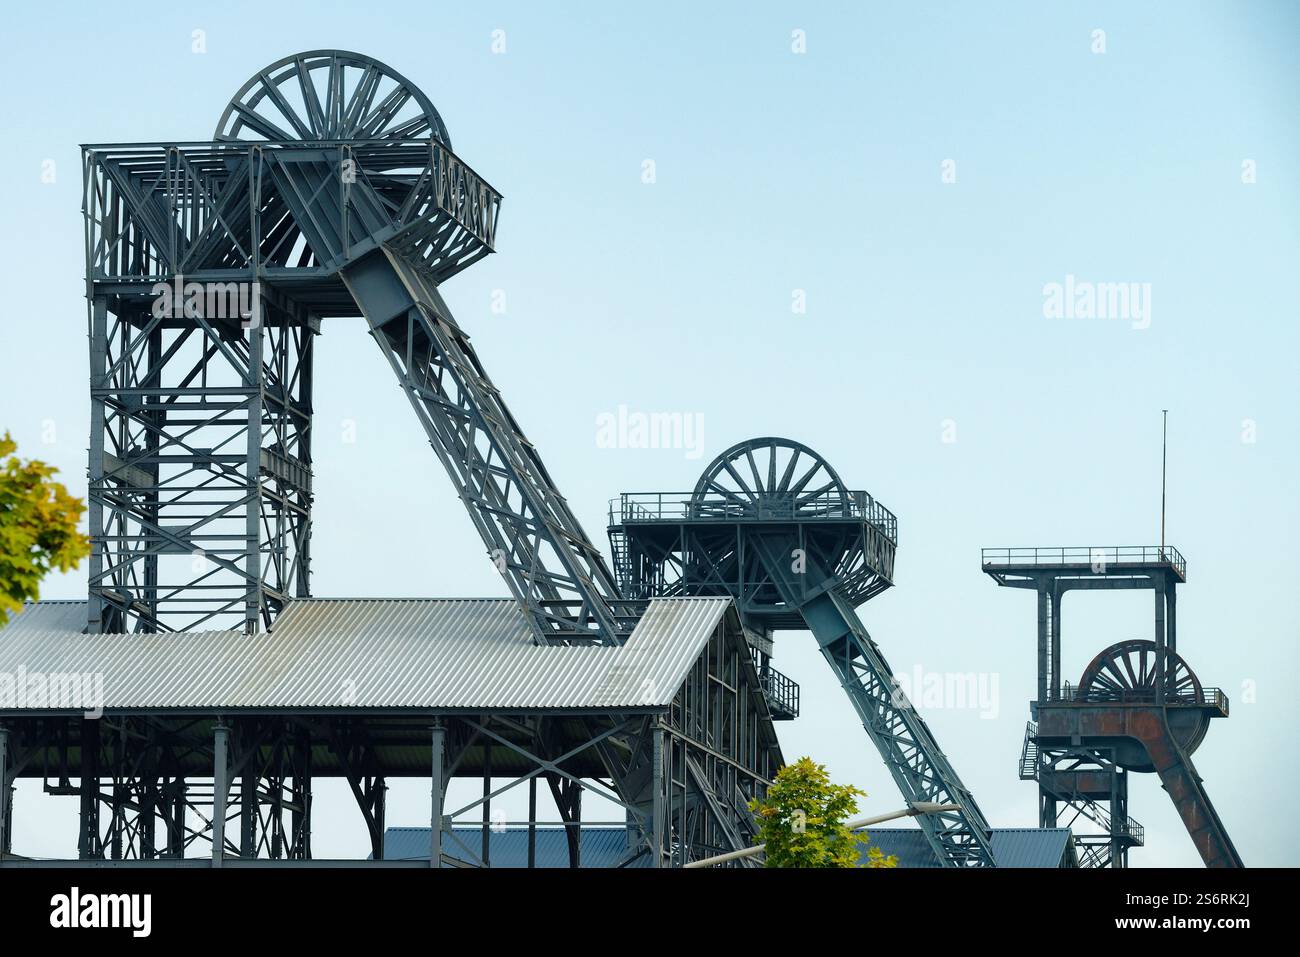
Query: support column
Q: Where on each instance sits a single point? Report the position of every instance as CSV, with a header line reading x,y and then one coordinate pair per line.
x,y
1042,641
435,824
1171,612
220,787
532,821
486,850
95,472
378,811
176,834
253,468
248,816
1162,667
5,798
1057,595
657,808
301,816
88,843
1047,811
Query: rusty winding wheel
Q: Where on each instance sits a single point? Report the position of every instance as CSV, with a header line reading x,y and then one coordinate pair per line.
x,y
1125,673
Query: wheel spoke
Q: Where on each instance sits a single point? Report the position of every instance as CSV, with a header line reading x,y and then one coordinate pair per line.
x,y
789,472
728,493
384,113
344,96
256,121
273,91
740,482
798,486
753,468
815,493
359,102
1129,667
312,100
768,475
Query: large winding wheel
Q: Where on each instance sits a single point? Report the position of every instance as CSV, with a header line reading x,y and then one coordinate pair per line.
x,y
770,478
325,95
776,482
1126,673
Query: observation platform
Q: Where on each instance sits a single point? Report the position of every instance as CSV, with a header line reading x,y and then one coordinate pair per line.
x,y
1111,561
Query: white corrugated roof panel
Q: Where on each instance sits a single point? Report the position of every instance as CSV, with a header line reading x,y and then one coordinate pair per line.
x,y
366,654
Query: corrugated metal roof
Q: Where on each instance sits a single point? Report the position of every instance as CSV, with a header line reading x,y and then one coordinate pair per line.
x,y
606,846
600,846
369,653
1012,846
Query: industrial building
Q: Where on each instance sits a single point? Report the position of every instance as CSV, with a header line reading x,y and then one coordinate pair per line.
x,y
330,189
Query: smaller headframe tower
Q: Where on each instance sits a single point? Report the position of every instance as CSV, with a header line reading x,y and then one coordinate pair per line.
x,y
1138,707
772,525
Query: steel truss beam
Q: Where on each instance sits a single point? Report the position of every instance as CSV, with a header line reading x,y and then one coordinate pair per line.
x,y
1083,787
787,573
536,542
200,465
1089,779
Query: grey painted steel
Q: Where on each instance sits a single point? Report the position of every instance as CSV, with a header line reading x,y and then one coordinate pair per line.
x,y
220,790
330,95
4,791
356,654
330,189
772,524
551,566
437,760
1087,781
719,751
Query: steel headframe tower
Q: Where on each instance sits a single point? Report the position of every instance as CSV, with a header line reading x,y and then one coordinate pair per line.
x,y
771,524
329,189
1138,707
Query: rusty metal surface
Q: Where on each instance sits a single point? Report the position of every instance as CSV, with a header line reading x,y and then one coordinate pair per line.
x,y
1149,731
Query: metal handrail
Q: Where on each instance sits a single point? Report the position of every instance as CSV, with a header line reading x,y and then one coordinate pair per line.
x,y
1133,829
781,690
680,506
1208,697
1086,555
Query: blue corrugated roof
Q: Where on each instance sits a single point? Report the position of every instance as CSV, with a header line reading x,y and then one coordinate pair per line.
x,y
508,847
607,846
1012,846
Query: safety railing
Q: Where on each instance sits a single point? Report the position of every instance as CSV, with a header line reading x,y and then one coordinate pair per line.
x,y
1096,557
782,693
155,210
683,506
1205,697
1131,829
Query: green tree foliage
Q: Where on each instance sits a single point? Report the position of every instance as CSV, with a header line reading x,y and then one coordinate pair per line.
x,y
803,821
38,528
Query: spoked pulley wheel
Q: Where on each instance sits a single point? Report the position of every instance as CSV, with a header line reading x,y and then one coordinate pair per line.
x,y
330,95
770,478
1126,671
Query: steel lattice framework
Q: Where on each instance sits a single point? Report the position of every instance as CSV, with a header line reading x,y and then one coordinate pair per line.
x,y
771,524
1138,706
330,188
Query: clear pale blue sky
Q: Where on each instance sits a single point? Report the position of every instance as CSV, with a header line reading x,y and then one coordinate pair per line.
x,y
820,172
